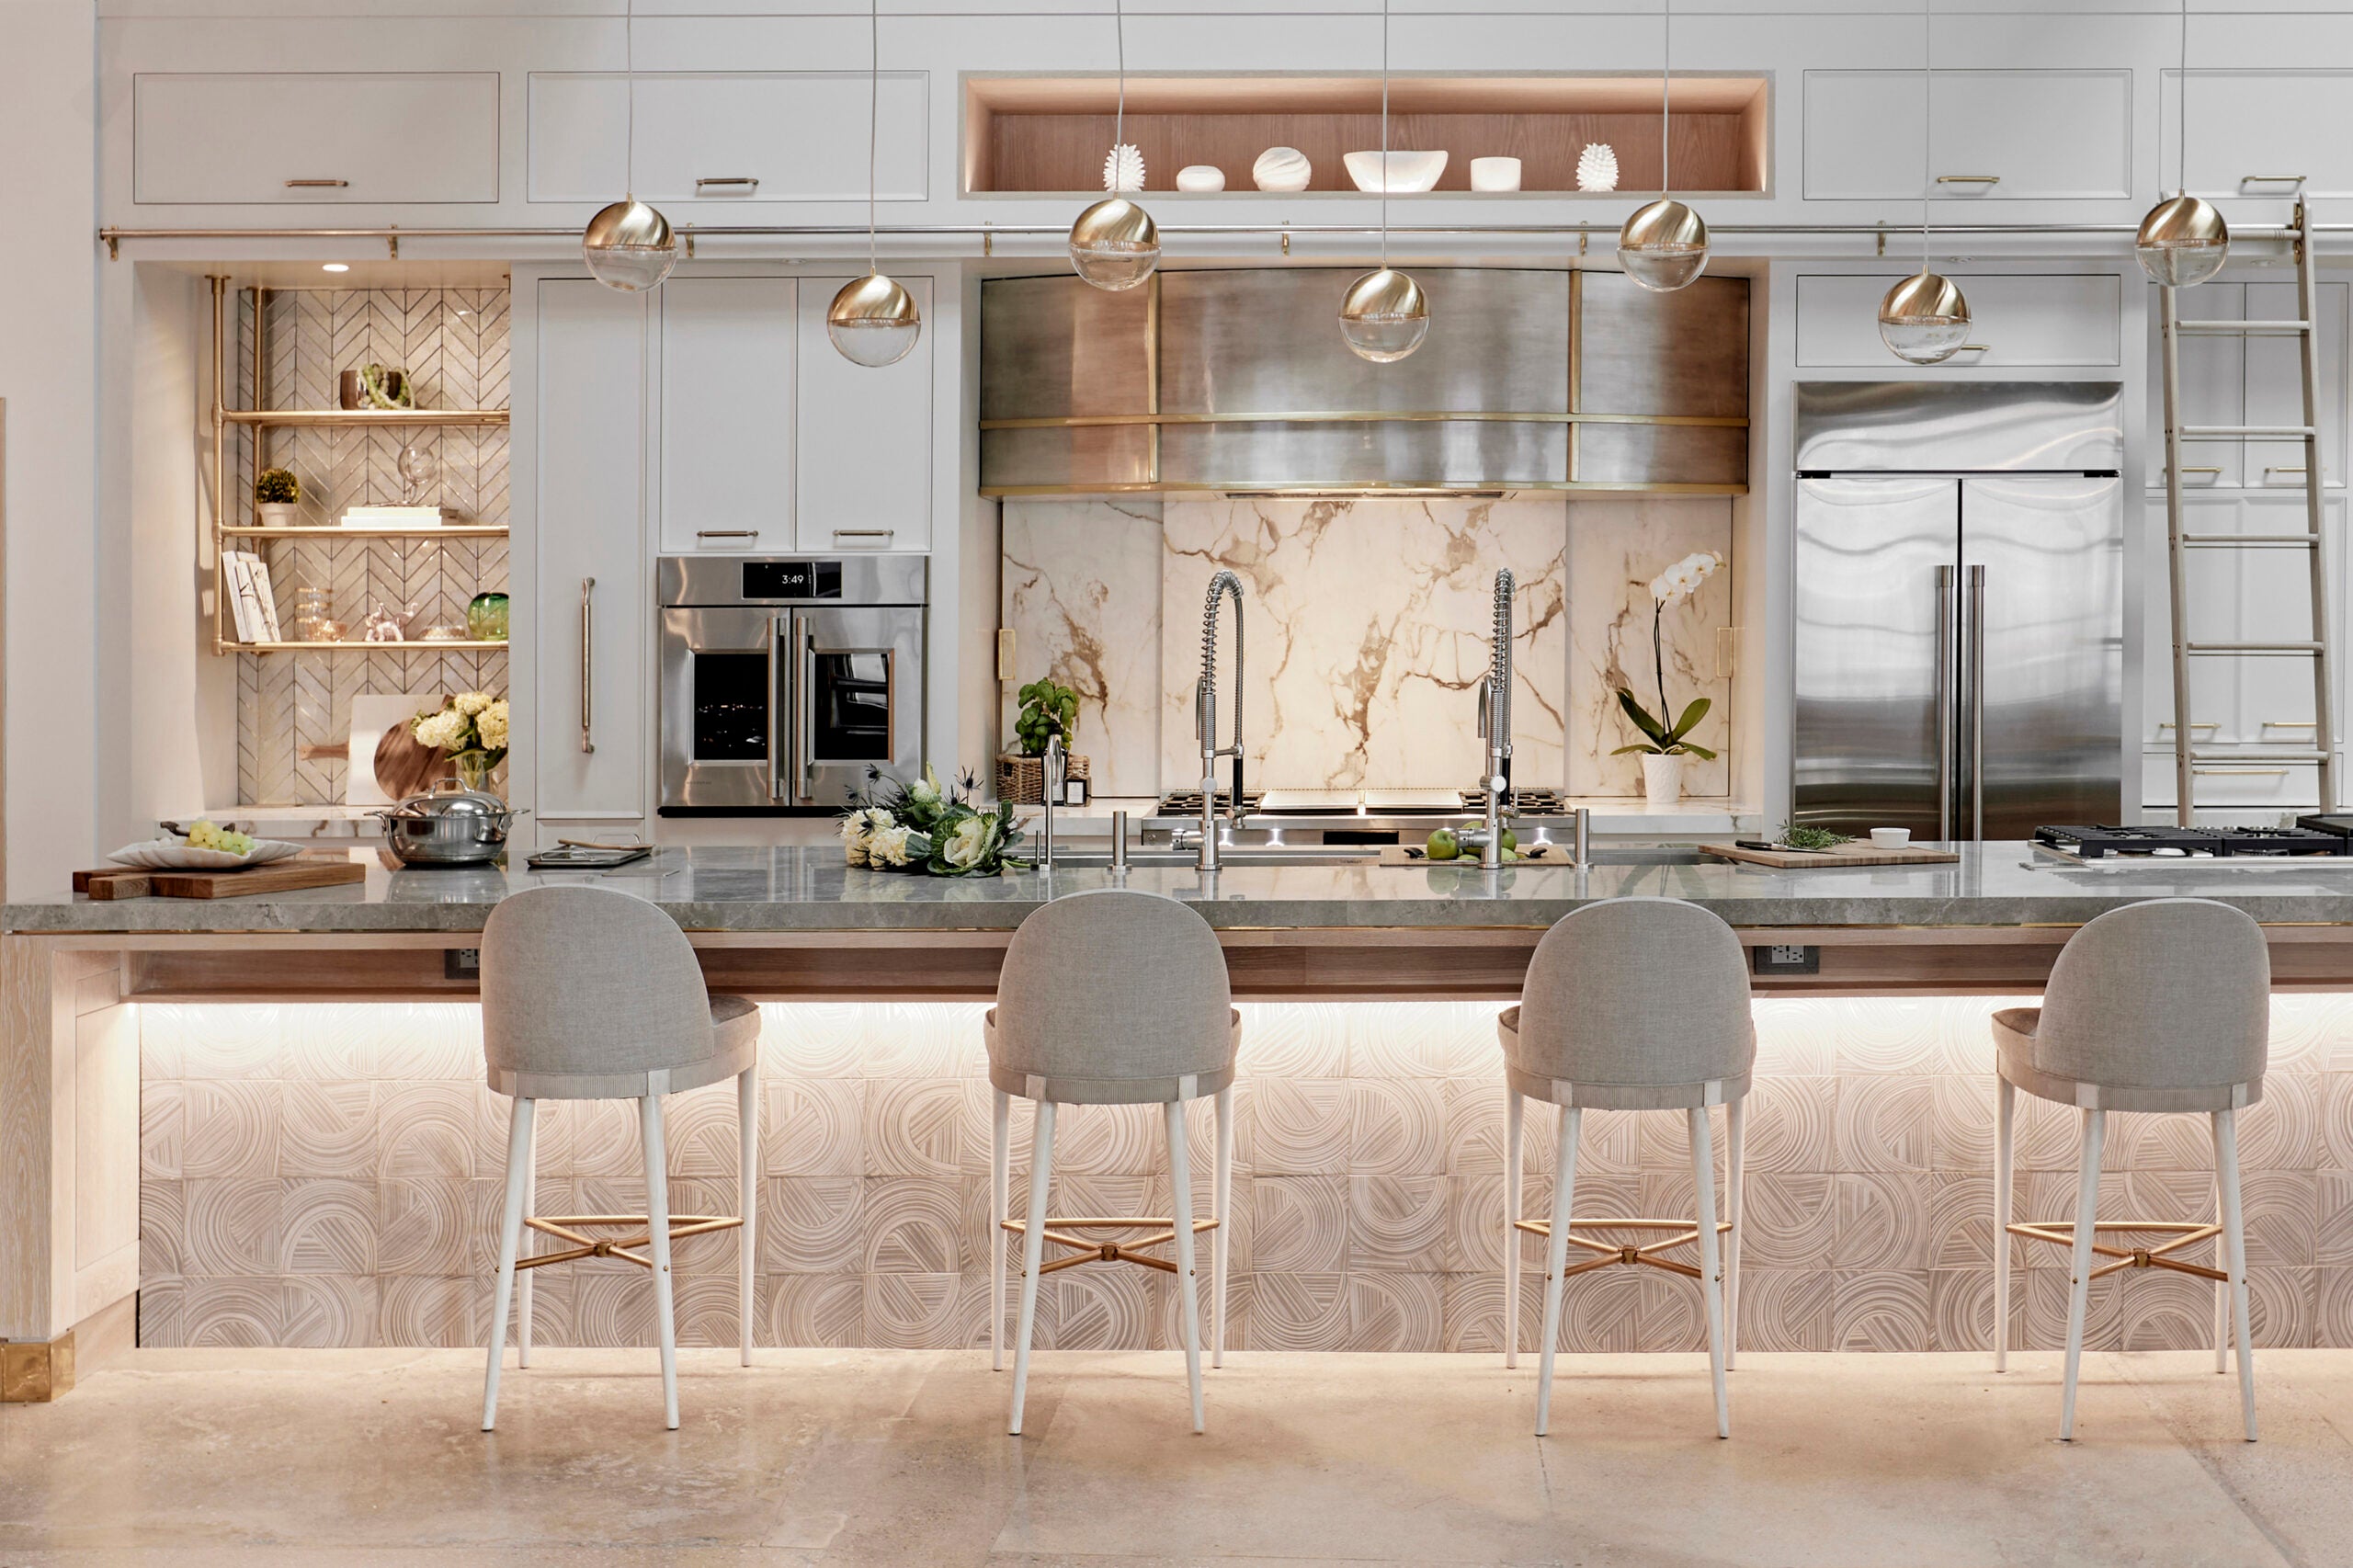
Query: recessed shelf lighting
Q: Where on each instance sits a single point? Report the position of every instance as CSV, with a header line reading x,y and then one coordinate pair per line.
x,y
334,267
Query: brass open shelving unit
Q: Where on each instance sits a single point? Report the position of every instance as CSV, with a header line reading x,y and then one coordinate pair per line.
x,y
259,421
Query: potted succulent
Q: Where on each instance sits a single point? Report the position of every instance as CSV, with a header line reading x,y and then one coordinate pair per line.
x,y
1048,709
1666,735
275,494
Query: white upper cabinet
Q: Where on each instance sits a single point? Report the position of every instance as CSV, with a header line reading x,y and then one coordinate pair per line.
x,y
864,478
256,138
1998,135
2247,129
2015,320
718,138
728,347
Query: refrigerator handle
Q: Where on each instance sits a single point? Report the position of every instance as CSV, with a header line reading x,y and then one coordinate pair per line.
x,y
1976,602
779,705
1944,702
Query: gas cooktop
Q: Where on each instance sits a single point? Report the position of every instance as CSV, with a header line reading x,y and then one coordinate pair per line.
x,y
1438,805
2157,842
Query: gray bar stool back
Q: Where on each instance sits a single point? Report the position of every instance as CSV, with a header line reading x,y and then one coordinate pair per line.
x,y
1630,1004
2162,1006
1114,996
589,994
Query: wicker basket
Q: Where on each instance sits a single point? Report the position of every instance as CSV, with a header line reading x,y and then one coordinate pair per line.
x,y
1021,780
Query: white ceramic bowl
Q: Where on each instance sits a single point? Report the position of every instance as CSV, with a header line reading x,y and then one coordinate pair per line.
x,y
1200,176
1407,171
1283,168
1494,173
174,855
1891,837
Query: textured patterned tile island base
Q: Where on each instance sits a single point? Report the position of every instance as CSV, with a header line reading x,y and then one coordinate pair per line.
x,y
328,1174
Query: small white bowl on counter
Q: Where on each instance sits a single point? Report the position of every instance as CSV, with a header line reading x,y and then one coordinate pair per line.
x,y
1891,837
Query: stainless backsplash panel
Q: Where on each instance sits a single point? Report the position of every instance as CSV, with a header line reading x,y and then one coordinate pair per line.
x,y
1052,347
1469,454
1684,353
1104,457
1662,454
1957,426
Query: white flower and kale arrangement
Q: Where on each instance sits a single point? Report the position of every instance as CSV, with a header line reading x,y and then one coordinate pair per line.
x,y
928,828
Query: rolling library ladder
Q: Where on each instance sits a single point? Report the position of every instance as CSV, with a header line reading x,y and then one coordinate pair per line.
x,y
2189,759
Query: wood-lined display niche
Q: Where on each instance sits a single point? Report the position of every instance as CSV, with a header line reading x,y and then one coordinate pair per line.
x,y
1048,134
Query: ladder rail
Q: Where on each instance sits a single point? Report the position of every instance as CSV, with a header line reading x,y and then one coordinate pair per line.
x,y
2308,307
2185,772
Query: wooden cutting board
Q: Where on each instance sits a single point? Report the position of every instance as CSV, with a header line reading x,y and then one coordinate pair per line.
x,y
283,876
1859,852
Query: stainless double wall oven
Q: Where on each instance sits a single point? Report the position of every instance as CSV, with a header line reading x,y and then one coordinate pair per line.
x,y
784,680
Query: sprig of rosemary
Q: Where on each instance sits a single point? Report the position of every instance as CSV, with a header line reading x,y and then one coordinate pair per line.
x,y
1798,838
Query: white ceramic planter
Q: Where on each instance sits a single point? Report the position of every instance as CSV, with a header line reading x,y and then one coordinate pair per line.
x,y
1662,781
276,514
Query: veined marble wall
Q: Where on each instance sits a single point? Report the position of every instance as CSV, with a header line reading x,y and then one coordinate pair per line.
x,y
1366,624
320,1176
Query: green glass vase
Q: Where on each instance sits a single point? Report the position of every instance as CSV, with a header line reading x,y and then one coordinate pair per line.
x,y
486,618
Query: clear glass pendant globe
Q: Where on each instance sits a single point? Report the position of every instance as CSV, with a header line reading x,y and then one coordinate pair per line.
x,y
873,322
2182,242
1384,316
1922,340
628,246
1114,245
1664,246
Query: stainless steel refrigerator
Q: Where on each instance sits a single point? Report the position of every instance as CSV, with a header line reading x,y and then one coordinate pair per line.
x,y
1959,589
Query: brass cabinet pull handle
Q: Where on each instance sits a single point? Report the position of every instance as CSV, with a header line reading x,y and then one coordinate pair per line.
x,y
1969,179
1977,348
2300,468
2272,179
587,670
2194,724
317,184
751,180
727,533
2287,723
2208,468
866,533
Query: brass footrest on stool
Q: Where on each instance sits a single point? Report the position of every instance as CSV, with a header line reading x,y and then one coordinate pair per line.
x,y
2183,1232
1686,1233
569,1227
1109,1251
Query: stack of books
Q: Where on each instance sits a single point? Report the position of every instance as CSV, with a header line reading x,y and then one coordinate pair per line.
x,y
245,579
398,516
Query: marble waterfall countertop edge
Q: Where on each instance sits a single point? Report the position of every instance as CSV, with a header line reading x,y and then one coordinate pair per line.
x,y
796,889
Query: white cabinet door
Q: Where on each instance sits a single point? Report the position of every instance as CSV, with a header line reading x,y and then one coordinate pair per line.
x,y
2246,125
2212,391
718,138
289,137
2275,385
2041,135
864,478
728,347
595,620
2015,320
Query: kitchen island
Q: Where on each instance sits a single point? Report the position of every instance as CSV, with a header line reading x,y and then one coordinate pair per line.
x,y
208,1071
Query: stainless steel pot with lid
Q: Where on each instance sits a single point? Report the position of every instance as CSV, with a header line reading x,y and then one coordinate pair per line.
x,y
448,826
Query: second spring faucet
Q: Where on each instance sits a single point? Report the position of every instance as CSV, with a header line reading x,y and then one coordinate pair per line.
x,y
1205,715
1495,725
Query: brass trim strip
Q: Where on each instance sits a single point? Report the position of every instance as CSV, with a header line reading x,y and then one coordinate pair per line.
x,y
1350,487
1151,375
317,416
1366,416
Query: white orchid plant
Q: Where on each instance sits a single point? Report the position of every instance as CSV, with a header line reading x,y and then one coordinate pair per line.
x,y
928,827
1667,733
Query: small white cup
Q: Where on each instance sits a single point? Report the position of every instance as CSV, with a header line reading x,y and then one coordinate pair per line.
x,y
1891,837
1494,173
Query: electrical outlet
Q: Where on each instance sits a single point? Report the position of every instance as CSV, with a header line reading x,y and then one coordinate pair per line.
x,y
461,963
1786,961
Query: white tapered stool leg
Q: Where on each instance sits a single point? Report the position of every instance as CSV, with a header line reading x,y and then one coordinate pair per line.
x,y
1180,1183
1033,1243
510,1240
1556,1258
2005,1112
747,1178
1220,1239
2222,1286
2226,1173
522,1275
1515,1116
1711,1279
658,1225
1000,1189
2079,1292
1736,1196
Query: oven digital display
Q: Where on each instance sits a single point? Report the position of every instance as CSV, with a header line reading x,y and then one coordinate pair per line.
x,y
792,579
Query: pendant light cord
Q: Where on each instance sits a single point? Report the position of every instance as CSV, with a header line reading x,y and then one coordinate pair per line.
x,y
1120,43
1927,120
1384,136
2181,109
873,117
628,90
1666,99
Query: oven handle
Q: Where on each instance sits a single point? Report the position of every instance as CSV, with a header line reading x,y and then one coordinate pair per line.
x,y
780,702
805,710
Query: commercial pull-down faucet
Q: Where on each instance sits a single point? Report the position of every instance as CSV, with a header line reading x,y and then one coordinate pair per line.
x,y
1205,715
1494,724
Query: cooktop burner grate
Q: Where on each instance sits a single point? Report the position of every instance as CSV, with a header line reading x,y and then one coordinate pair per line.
x,y
2157,841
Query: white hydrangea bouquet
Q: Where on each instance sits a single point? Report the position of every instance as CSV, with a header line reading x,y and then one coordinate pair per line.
x,y
472,729
928,827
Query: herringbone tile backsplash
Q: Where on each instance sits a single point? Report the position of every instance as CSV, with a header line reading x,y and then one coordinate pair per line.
x,y
452,345
323,1174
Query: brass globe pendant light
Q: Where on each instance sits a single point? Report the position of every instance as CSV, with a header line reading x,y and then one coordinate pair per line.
x,y
629,245
1115,245
873,320
1664,246
2182,241
1925,318
1384,315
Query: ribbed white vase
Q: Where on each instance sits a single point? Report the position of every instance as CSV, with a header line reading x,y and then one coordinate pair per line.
x,y
1662,781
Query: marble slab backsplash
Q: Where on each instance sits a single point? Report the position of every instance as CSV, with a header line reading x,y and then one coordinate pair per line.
x,y
1367,630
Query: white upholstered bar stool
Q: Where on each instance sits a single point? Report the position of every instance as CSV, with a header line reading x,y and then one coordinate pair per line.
x,y
589,994
2157,1007
1113,996
1630,1004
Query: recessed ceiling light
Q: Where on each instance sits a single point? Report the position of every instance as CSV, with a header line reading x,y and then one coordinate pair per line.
x,y
334,267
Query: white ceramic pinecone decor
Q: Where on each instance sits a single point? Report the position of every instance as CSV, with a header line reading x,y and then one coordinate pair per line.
x,y
1597,167
1123,168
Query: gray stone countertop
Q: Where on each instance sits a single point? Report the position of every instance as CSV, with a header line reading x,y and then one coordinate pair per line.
x,y
810,889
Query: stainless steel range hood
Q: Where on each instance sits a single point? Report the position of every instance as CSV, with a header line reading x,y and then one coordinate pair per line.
x,y
1237,382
